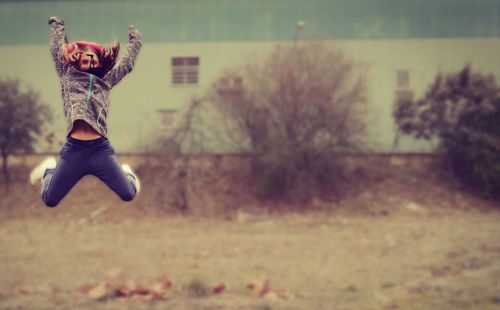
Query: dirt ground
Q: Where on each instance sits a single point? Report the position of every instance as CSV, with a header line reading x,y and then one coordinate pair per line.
x,y
406,243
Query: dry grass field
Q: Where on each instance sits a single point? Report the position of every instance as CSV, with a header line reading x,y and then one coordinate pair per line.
x,y
399,243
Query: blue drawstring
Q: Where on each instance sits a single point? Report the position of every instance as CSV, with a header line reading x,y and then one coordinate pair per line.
x,y
89,90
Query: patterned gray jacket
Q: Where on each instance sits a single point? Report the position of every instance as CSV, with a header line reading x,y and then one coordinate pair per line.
x,y
86,96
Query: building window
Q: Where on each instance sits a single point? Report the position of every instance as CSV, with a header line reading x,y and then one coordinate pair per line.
x,y
167,118
229,85
404,95
404,92
402,79
185,70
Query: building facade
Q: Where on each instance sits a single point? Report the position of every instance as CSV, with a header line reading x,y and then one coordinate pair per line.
x,y
188,44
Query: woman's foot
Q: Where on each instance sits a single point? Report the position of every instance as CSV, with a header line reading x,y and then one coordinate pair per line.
x,y
128,171
37,173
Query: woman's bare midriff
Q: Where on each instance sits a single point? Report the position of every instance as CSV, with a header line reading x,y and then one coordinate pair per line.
x,y
83,131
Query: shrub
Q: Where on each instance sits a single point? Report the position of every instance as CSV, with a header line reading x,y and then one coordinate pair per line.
x,y
462,110
290,111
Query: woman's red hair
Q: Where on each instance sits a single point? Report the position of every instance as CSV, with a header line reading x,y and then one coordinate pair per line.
x,y
107,55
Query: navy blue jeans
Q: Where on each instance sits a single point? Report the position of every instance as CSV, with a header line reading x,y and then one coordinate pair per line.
x,y
80,158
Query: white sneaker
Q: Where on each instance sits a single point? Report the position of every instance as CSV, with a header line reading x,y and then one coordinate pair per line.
x,y
126,168
37,173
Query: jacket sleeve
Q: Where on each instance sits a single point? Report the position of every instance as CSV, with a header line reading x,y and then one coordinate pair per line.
x,y
56,41
127,60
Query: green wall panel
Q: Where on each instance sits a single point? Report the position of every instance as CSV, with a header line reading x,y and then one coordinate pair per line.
x,y
24,22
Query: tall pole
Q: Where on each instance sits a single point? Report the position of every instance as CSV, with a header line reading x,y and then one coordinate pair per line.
x,y
298,27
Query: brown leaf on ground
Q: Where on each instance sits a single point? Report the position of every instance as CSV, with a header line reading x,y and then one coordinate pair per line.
x,y
24,291
141,290
159,291
203,254
445,271
266,288
122,292
143,297
56,289
283,294
99,292
158,288
86,288
219,288
125,288
271,296
42,289
164,281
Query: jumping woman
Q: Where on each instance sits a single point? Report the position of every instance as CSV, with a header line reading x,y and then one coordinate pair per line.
x,y
87,72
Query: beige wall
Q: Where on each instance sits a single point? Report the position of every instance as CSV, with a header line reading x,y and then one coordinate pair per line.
x,y
135,101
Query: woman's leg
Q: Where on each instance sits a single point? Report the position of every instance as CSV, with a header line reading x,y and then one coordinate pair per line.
x,y
106,168
58,182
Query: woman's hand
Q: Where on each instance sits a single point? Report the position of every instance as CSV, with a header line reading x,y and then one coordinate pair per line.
x,y
55,19
133,33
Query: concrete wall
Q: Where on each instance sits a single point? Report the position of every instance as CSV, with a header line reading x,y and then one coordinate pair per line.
x,y
423,37
232,161
134,117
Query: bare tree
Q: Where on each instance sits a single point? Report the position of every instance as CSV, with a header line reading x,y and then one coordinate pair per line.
x,y
22,117
291,111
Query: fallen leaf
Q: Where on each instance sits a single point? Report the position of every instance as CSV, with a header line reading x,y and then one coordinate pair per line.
x,y
144,297
86,288
159,291
266,288
23,291
164,281
255,286
282,294
98,292
158,288
445,271
203,254
125,288
56,289
122,291
219,288
141,290
271,296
